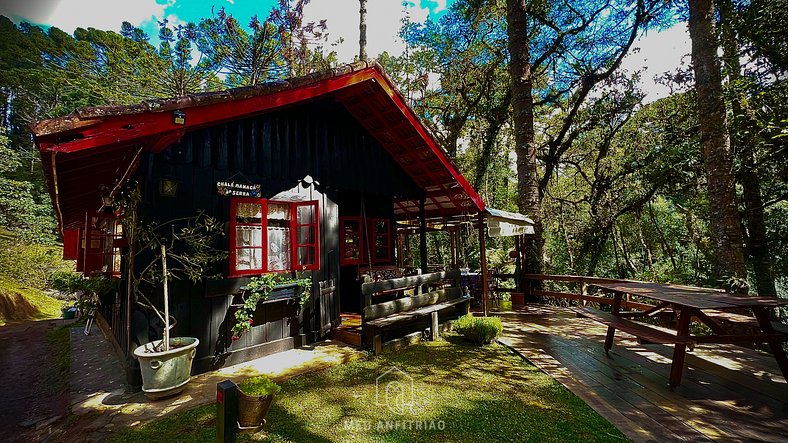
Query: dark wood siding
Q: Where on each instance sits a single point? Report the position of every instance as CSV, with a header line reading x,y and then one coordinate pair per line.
x,y
276,150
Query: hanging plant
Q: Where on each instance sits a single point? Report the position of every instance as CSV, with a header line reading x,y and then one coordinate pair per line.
x,y
259,289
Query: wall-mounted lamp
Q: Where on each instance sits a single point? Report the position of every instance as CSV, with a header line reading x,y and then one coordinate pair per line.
x,y
168,187
179,117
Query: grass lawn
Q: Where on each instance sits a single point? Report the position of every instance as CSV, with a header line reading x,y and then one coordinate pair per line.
x,y
18,303
460,393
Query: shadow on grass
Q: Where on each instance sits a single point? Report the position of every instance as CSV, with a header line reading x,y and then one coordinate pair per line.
x,y
461,393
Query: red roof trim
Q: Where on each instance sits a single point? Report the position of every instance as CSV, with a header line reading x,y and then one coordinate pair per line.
x,y
91,132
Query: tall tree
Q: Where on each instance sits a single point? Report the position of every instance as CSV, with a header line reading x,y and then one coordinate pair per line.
x,y
247,58
715,143
521,78
577,45
362,30
743,143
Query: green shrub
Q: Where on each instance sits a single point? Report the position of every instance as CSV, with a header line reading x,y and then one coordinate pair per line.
x,y
480,330
30,265
259,385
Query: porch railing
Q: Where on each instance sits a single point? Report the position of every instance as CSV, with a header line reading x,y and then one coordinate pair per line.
x,y
582,282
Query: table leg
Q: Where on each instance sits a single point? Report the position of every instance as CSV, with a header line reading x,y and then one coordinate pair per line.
x,y
680,349
611,331
762,314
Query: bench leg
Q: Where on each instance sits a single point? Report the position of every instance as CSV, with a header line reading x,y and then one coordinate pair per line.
x,y
377,344
762,315
611,331
680,349
434,326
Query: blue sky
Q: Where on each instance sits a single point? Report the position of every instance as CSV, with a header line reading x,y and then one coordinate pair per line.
x,y
659,52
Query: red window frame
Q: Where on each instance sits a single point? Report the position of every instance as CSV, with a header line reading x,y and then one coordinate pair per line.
x,y
99,246
295,245
366,235
343,246
263,224
372,233
234,202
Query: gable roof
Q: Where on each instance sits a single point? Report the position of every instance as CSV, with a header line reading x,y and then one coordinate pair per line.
x,y
99,147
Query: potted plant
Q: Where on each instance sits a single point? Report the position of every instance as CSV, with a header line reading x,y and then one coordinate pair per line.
x,y
181,247
268,287
255,396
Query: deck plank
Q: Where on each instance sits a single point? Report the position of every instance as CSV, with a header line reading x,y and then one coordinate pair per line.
x,y
729,392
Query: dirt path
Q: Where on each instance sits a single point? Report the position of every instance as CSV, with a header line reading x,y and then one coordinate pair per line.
x,y
24,355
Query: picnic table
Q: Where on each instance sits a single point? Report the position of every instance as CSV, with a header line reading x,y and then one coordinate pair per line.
x,y
711,307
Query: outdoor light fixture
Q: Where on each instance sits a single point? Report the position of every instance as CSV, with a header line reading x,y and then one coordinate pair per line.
x,y
179,117
168,187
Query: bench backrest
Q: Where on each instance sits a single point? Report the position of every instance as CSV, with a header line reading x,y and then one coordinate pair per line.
x,y
373,311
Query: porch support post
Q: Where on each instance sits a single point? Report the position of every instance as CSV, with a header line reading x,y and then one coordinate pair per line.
x,y
423,236
483,260
453,243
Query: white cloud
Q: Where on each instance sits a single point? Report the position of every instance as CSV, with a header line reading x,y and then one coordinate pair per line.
x,y
71,14
384,19
659,52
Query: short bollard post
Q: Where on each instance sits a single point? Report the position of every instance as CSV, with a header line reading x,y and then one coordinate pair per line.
x,y
226,411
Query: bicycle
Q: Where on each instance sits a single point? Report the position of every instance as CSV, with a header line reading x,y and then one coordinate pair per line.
x,y
91,303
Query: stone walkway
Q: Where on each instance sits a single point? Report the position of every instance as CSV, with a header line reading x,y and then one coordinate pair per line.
x,y
102,405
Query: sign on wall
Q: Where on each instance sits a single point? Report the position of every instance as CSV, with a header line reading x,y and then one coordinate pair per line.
x,y
233,189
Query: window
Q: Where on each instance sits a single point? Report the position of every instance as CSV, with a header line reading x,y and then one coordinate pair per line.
x,y
100,245
380,240
357,238
351,240
271,236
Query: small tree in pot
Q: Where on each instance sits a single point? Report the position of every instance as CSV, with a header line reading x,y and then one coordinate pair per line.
x,y
182,247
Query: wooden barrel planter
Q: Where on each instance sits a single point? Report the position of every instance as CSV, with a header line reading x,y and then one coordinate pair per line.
x,y
252,409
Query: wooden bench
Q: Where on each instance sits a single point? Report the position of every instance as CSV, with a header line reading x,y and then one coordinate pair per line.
x,y
378,317
640,330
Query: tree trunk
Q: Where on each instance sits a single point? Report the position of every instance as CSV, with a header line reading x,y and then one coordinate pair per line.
x,y
756,239
362,30
715,143
525,144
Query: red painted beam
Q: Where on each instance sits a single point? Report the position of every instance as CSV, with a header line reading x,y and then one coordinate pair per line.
x,y
126,129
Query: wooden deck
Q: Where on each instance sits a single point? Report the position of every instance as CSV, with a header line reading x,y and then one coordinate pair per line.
x,y
729,393
349,329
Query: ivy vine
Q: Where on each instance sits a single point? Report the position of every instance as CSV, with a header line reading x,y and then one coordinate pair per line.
x,y
258,290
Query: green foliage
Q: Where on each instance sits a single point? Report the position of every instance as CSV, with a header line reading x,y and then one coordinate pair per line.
x,y
259,289
20,211
479,330
71,282
30,265
259,385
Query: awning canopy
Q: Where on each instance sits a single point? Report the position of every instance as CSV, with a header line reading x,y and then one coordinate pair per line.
x,y
506,224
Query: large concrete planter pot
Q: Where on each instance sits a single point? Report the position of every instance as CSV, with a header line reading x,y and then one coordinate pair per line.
x,y
166,373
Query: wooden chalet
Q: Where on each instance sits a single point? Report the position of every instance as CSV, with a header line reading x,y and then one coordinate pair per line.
x,y
324,165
